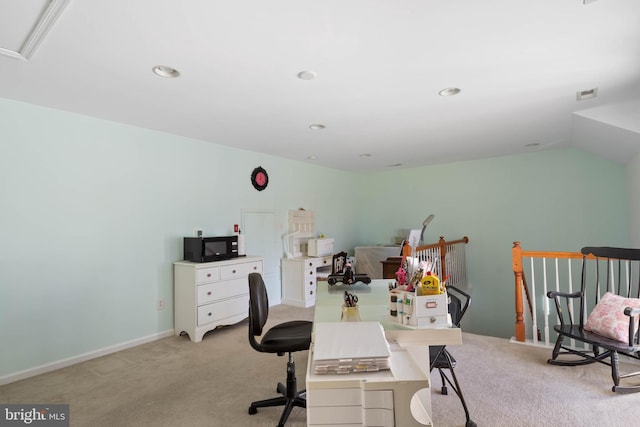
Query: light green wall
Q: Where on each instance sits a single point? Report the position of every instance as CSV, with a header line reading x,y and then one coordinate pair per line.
x,y
633,177
558,200
92,214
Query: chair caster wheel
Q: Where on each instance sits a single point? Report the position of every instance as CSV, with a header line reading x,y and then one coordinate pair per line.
x,y
444,390
470,424
252,410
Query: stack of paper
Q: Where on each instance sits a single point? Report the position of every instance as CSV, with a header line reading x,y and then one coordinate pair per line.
x,y
345,347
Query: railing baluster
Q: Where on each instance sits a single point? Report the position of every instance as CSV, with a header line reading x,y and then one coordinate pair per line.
x,y
534,312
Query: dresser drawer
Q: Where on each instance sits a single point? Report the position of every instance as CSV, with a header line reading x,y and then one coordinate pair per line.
x,y
313,263
378,418
310,275
310,293
378,399
253,267
334,416
204,275
231,271
219,310
335,397
240,270
222,290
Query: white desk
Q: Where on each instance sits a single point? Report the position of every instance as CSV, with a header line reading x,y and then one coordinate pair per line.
x,y
299,277
396,397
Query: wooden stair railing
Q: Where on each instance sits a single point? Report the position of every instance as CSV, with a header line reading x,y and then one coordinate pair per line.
x,y
517,255
441,248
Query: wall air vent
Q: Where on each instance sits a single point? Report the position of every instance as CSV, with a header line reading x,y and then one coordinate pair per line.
x,y
587,94
24,24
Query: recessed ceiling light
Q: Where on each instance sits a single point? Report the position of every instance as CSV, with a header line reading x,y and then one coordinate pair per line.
x,y
450,91
395,165
312,157
587,94
532,144
307,75
317,127
164,71
365,155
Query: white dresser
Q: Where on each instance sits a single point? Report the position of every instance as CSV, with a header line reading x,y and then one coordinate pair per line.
x,y
299,278
210,294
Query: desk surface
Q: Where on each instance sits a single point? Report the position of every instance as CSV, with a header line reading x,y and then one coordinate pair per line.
x,y
373,303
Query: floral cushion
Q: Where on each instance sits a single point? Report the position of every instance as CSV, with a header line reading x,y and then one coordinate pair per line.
x,y
608,318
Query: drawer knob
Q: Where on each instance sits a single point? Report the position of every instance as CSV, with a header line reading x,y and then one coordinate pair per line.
x,y
310,292
310,264
209,314
234,271
311,273
209,293
208,274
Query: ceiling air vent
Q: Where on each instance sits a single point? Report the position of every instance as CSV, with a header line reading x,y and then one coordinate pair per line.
x,y
587,94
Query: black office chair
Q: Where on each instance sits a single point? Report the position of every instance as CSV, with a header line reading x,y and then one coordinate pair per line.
x,y
440,358
283,338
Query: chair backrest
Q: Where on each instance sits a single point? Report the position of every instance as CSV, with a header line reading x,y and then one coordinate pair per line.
x,y
338,263
615,270
459,302
258,308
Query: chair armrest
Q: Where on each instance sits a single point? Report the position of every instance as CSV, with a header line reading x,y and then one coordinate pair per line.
x,y
556,296
632,312
553,294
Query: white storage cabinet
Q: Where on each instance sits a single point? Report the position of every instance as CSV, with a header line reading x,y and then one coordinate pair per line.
x,y
299,279
211,294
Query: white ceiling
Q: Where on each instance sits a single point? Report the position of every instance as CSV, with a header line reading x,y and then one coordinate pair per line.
x,y
379,65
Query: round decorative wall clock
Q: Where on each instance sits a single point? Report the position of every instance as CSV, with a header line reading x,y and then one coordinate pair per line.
x,y
259,178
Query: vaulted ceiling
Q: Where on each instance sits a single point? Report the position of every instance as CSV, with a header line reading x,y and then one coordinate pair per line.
x,y
371,75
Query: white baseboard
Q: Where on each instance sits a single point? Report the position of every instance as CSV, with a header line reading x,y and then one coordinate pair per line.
x,y
31,372
531,342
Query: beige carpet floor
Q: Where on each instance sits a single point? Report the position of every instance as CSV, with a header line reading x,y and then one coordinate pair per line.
x,y
174,382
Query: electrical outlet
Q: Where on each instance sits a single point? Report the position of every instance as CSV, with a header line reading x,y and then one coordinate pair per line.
x,y
160,304
197,232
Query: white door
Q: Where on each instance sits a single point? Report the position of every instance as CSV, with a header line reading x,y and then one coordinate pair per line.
x,y
261,238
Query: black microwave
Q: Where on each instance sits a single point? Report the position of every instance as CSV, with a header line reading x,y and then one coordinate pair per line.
x,y
207,249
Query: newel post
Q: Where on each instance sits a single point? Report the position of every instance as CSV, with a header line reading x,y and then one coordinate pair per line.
x,y
443,252
516,261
